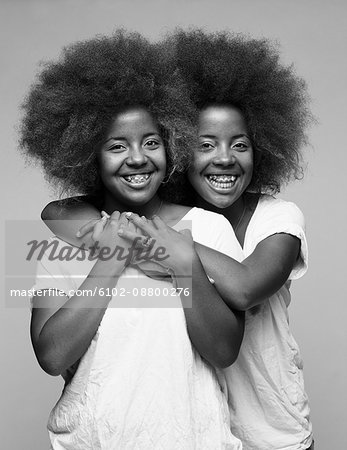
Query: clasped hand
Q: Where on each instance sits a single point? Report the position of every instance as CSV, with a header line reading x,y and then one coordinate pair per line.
x,y
156,249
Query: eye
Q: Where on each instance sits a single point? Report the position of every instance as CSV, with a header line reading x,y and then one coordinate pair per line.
x,y
152,144
240,146
117,147
205,146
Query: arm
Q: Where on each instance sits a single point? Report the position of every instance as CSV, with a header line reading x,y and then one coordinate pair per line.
x,y
213,328
65,217
62,331
244,285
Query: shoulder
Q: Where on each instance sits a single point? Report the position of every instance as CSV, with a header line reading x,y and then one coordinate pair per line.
x,y
215,231
277,216
271,208
209,218
203,213
196,215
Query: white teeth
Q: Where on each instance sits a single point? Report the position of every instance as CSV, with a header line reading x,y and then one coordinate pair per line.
x,y
222,178
222,181
137,179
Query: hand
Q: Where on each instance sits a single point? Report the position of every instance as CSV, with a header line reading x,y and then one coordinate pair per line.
x,y
162,244
94,226
152,269
110,245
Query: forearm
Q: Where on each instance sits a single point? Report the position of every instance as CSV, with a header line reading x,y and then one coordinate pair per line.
x,y
66,335
231,278
259,276
64,218
214,329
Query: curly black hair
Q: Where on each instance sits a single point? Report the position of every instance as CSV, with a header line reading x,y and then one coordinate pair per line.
x,y
74,98
224,68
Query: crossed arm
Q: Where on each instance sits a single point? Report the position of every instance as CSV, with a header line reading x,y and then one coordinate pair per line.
x,y
215,330
60,336
241,285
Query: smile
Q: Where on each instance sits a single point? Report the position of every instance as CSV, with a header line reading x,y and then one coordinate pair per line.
x,y
137,180
221,182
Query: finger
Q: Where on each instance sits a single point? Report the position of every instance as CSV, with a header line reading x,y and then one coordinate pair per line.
x,y
99,228
104,214
130,236
123,220
114,218
131,227
113,223
158,222
87,228
141,223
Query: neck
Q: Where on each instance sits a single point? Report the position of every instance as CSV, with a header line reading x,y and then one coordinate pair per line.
x,y
232,212
148,209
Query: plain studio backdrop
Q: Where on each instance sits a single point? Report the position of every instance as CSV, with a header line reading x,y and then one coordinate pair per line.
x,y
312,34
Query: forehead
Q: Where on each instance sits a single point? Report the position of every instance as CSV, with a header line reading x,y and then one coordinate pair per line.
x,y
221,119
133,121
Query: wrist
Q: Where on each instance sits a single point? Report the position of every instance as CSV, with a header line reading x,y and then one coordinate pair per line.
x,y
184,265
109,268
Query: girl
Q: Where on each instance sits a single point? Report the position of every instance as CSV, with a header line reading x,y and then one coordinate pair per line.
x,y
102,120
253,115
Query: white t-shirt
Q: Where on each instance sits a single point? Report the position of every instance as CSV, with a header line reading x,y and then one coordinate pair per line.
x,y
267,400
140,385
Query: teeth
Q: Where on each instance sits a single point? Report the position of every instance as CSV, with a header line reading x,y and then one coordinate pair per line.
x,y
137,179
222,181
222,178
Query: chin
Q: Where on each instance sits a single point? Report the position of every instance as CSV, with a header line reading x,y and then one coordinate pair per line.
x,y
222,204
219,201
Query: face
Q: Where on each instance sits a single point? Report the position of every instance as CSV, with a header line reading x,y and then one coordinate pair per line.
x,y
223,163
132,159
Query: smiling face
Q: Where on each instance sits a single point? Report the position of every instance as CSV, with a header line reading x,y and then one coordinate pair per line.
x,y
223,163
132,159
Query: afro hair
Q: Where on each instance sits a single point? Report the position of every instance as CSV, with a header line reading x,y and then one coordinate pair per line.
x,y
74,98
224,68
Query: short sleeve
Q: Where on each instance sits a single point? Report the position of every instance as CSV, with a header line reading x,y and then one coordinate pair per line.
x,y
279,216
214,230
50,271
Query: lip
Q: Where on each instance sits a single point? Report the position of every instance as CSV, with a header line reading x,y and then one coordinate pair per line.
x,y
219,174
221,188
137,186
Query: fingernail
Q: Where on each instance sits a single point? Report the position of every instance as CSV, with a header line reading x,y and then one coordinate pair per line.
x,y
120,231
127,214
78,234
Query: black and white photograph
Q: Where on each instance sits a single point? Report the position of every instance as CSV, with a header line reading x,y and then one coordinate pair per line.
x,y
173,227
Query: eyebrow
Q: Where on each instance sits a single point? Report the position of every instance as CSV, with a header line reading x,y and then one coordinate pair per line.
x,y
236,136
121,138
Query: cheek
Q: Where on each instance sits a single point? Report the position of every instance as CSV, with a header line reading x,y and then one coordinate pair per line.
x,y
194,173
248,165
108,163
162,161
249,169
200,161
195,180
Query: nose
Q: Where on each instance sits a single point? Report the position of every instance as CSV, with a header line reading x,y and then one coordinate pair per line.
x,y
224,156
137,156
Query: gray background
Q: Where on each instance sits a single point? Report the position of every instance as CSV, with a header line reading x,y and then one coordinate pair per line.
x,y
312,34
